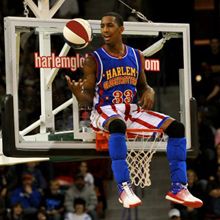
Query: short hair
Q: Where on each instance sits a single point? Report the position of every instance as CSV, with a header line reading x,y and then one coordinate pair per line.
x,y
27,176
79,176
118,17
79,201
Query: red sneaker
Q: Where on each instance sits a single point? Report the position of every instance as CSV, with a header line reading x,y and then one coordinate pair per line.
x,y
183,196
127,196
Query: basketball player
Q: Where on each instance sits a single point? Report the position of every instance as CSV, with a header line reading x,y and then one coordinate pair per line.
x,y
113,81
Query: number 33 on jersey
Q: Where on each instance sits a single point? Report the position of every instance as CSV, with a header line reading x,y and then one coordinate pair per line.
x,y
116,77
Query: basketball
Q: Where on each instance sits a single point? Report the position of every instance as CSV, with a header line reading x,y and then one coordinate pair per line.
x,y
77,33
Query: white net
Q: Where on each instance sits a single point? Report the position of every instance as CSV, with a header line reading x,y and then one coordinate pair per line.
x,y
139,156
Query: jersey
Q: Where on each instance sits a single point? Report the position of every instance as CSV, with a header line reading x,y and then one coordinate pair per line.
x,y
116,78
74,216
116,92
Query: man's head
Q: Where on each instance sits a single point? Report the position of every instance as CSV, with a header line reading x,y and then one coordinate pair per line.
x,y
215,45
174,214
27,179
17,208
112,28
54,186
79,181
83,167
118,18
79,205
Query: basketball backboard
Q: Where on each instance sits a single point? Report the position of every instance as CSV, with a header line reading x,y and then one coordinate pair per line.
x,y
41,117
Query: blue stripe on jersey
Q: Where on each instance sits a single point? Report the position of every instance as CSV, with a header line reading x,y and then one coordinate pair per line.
x,y
116,77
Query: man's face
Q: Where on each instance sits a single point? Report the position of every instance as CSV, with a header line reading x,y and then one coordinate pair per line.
x,y
79,208
214,43
54,187
110,30
79,183
18,209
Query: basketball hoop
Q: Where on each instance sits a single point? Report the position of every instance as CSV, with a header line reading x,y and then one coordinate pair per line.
x,y
141,144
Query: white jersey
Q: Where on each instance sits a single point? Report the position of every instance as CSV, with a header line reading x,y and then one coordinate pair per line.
x,y
74,216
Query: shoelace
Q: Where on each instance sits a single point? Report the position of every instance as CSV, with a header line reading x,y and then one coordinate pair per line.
x,y
185,186
176,187
127,188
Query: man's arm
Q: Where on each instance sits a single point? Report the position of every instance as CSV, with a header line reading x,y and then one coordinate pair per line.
x,y
92,199
68,200
84,89
145,92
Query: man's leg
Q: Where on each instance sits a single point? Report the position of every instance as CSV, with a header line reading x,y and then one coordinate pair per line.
x,y
118,153
176,155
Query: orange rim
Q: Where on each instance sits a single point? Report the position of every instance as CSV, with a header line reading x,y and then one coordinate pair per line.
x,y
102,137
130,130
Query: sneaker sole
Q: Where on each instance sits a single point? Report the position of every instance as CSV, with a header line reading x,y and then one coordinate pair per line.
x,y
185,203
130,206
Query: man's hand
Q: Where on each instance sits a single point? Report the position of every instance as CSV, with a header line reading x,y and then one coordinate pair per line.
x,y
75,87
80,90
147,99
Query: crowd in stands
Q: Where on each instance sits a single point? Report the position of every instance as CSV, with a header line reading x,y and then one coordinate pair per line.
x,y
204,169
29,193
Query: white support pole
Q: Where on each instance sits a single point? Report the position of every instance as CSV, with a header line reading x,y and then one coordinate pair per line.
x,y
187,90
75,115
56,7
44,8
30,128
18,39
47,119
38,122
85,135
63,106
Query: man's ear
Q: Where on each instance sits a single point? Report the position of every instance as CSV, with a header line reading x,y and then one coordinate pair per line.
x,y
122,29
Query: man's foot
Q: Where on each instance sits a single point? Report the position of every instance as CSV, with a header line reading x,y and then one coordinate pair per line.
x,y
181,195
127,196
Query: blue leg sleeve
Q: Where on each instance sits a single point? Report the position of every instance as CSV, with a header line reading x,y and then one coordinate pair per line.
x,y
176,155
118,153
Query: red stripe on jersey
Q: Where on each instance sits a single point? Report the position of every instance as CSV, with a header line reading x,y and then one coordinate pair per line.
x,y
101,100
114,109
156,114
127,111
144,123
102,114
99,110
95,129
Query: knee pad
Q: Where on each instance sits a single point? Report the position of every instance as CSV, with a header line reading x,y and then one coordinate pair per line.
x,y
175,130
117,126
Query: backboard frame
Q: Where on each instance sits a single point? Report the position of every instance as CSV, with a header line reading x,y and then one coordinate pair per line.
x,y
12,146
